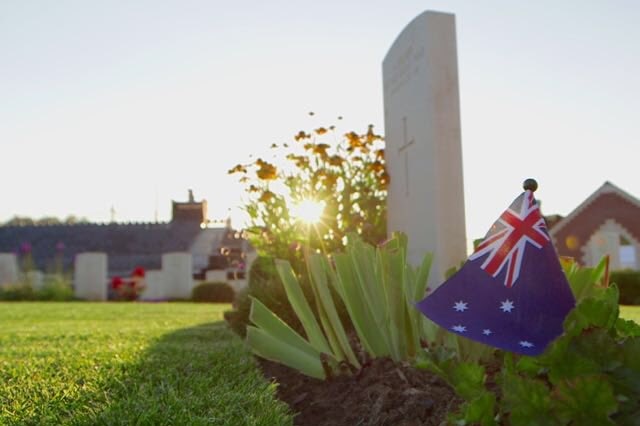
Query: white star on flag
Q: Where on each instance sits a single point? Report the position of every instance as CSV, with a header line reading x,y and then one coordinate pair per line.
x,y
526,344
486,331
459,328
460,306
507,306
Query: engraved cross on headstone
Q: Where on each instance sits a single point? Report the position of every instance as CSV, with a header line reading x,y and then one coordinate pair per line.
x,y
404,148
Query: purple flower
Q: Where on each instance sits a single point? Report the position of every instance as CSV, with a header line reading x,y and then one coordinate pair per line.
x,y
25,248
60,246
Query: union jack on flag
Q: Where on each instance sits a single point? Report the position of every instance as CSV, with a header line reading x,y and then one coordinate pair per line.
x,y
482,301
507,239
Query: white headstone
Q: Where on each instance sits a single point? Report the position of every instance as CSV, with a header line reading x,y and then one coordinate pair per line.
x,y
35,279
8,268
216,275
423,143
156,289
177,270
90,276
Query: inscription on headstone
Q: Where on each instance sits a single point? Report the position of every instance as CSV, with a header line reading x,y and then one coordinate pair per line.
x,y
422,132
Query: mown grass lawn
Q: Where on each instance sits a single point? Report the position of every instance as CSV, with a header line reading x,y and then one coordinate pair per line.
x,y
630,313
128,363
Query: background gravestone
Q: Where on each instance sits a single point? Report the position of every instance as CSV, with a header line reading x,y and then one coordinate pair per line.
x,y
423,143
216,275
35,279
90,276
177,272
156,289
8,268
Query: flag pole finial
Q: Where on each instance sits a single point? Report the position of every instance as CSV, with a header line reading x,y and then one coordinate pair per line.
x,y
530,184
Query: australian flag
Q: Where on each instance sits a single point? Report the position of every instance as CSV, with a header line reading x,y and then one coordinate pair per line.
x,y
511,293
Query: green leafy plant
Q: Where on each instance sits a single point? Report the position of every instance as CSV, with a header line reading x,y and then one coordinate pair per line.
x,y
378,289
57,287
589,375
17,292
213,292
265,285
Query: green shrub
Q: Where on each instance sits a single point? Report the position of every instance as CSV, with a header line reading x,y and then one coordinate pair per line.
x,y
265,285
628,283
213,292
56,288
17,292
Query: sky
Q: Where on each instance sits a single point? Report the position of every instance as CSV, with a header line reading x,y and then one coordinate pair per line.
x,y
129,104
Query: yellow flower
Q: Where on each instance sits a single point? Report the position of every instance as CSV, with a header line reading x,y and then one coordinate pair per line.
x,y
376,166
336,160
321,149
239,168
301,135
354,140
266,196
370,136
384,179
266,171
321,131
299,160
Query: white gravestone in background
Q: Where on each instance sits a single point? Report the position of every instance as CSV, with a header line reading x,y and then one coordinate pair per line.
x,y
35,279
8,268
90,276
156,289
177,270
423,143
216,275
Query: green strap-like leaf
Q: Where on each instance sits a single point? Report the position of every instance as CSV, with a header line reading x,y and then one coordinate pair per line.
x,y
370,335
269,322
301,307
270,347
318,265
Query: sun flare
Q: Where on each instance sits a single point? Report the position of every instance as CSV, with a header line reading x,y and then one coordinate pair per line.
x,y
308,211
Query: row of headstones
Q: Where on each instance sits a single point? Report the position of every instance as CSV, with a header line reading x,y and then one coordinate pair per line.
x,y
173,281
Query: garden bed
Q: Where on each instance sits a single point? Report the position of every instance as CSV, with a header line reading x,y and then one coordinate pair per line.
x,y
382,393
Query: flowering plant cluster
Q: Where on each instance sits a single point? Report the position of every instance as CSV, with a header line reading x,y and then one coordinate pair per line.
x,y
346,173
129,288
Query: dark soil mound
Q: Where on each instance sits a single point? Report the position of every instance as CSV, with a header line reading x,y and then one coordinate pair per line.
x,y
382,393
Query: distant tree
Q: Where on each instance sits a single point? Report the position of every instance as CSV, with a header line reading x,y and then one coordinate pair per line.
x,y
48,220
74,220
19,221
44,221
